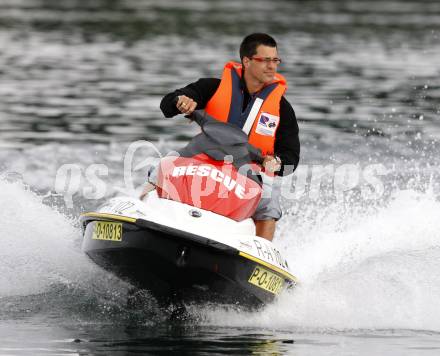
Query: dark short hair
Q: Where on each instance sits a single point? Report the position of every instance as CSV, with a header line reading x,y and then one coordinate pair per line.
x,y
248,47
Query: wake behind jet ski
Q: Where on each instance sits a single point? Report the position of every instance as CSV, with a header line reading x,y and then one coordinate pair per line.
x,y
192,238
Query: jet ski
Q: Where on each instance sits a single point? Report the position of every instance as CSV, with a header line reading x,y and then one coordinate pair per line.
x,y
192,238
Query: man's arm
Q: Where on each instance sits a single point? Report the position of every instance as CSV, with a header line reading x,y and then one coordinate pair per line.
x,y
200,91
287,145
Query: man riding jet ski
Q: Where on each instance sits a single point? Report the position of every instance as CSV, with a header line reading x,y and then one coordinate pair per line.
x,y
192,238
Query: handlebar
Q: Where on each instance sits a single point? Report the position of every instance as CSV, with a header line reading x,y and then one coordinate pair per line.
x,y
235,137
202,119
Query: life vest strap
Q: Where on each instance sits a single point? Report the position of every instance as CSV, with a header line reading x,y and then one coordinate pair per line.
x,y
252,115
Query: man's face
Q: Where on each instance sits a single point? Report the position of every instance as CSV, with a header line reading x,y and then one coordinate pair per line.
x,y
259,67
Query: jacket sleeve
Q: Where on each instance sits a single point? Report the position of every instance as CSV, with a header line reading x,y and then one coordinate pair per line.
x,y
287,145
200,91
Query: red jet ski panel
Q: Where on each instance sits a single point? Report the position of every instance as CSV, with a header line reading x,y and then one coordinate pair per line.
x,y
209,184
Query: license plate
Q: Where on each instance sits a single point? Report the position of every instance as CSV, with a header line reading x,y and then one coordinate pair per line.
x,y
105,230
266,280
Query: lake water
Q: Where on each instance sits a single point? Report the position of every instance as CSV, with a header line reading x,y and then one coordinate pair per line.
x,y
81,81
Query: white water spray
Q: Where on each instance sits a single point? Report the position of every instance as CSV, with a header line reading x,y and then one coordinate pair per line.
x,y
380,272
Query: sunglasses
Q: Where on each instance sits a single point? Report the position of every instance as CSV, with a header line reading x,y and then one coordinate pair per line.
x,y
266,60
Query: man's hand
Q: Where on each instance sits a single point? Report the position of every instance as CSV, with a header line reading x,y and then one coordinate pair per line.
x,y
186,105
271,164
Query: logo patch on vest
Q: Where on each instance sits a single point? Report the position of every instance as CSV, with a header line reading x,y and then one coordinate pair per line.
x,y
267,124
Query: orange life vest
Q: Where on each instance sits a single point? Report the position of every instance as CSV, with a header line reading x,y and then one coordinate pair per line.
x,y
261,118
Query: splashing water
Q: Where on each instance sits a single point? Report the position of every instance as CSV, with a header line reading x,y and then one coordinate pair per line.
x,y
42,268
38,244
378,273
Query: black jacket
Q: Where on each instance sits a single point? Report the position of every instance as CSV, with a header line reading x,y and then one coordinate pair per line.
x,y
287,145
